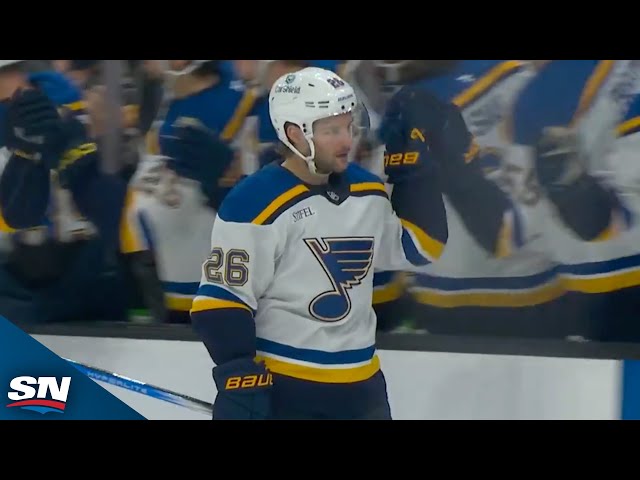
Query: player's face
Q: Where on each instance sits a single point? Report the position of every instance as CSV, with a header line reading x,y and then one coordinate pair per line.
x,y
333,139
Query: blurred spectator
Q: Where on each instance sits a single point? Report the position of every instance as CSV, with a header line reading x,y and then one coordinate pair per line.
x,y
568,117
59,255
178,187
58,210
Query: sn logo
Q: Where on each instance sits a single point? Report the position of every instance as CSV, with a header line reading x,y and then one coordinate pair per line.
x,y
26,397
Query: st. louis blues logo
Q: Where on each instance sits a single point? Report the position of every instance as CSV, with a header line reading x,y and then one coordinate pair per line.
x,y
346,261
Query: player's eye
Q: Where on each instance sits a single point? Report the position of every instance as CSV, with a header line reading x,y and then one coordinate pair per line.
x,y
330,131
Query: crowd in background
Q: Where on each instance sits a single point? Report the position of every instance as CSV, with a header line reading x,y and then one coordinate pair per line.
x,y
147,117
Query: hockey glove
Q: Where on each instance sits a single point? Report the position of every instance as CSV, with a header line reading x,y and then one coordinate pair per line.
x,y
557,158
33,127
244,391
434,135
453,147
196,153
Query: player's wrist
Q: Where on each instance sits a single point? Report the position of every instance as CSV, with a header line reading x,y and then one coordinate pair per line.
x,y
242,374
244,390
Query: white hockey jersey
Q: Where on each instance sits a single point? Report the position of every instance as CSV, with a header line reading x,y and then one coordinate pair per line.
x,y
593,97
170,215
167,214
300,259
467,275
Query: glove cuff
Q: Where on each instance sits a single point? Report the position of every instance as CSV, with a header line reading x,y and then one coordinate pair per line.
x,y
243,375
244,390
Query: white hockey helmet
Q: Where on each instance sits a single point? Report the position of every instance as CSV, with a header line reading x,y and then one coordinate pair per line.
x,y
6,63
304,97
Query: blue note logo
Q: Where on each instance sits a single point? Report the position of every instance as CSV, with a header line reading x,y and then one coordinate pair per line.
x,y
346,261
50,396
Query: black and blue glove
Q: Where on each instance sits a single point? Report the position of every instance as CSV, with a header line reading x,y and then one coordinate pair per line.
x,y
423,134
34,129
244,391
197,153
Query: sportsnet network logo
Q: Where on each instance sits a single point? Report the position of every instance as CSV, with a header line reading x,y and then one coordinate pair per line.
x,y
26,397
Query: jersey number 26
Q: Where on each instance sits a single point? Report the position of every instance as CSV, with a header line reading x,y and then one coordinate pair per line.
x,y
227,269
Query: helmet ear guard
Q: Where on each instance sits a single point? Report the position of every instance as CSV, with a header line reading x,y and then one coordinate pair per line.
x,y
303,98
308,135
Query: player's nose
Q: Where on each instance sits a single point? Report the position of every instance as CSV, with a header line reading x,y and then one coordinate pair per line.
x,y
346,141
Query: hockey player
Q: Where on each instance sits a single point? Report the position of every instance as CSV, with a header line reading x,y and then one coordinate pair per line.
x,y
494,278
259,138
59,211
177,189
284,306
259,145
567,120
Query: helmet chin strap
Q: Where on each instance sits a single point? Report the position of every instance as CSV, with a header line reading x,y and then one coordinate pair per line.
x,y
313,168
309,159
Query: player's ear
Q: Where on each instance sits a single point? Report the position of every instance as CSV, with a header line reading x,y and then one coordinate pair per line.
x,y
294,134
